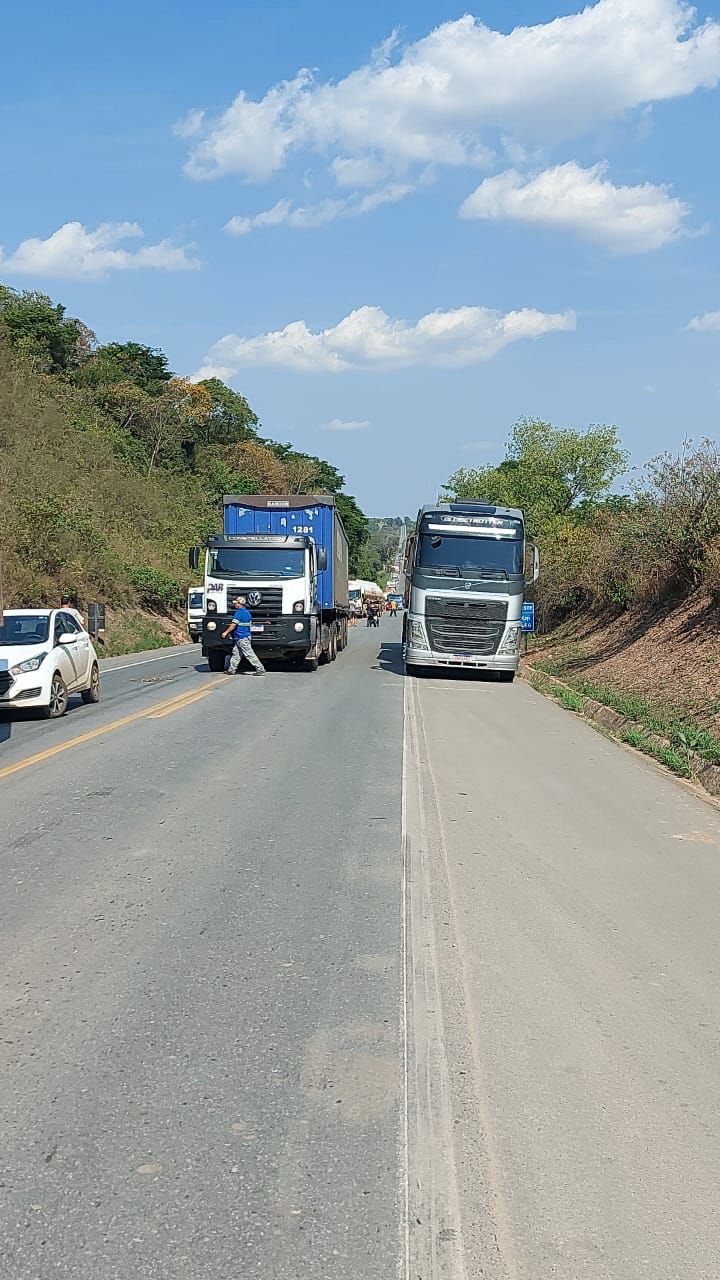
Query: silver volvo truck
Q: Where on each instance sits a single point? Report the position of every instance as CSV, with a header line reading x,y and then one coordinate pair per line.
x,y
467,566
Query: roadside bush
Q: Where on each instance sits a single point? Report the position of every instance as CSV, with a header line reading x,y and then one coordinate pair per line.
x,y
155,588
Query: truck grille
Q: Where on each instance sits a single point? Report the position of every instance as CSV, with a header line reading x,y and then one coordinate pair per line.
x,y
270,605
465,626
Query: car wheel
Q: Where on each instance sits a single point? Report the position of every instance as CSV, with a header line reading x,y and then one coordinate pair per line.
x,y
92,693
58,704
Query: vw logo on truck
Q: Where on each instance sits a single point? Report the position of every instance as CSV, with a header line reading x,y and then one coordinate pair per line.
x,y
254,598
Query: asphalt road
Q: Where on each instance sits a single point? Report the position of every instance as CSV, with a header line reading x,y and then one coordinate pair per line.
x,y
342,975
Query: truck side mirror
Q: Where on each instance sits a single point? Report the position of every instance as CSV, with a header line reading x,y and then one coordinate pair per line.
x,y
194,558
535,564
322,559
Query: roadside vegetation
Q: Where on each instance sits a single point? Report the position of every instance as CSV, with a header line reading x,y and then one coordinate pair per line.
x,y
628,602
606,552
112,467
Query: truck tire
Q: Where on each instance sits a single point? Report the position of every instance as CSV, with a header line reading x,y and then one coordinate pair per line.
x,y
311,664
333,650
505,677
412,669
216,659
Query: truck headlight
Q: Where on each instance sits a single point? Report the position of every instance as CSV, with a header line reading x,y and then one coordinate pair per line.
x,y
511,641
212,626
299,606
418,639
212,606
299,626
30,664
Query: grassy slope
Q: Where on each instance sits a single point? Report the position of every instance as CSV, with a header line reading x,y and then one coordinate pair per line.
x,y
659,668
74,515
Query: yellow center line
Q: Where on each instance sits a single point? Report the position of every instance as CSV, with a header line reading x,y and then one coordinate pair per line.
x,y
178,706
176,703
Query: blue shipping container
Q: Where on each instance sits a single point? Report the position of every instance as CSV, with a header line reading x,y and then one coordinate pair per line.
x,y
317,518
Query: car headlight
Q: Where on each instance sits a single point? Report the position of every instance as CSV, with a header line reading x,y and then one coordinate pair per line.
x,y
212,606
511,641
299,606
418,639
30,664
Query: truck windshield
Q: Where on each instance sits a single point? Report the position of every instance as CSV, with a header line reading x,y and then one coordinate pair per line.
x,y
195,600
256,562
469,557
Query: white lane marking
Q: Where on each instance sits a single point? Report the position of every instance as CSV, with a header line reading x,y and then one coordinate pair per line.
x,y
144,661
404,1269
502,1221
432,1138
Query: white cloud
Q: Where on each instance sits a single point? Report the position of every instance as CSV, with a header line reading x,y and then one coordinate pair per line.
x,y
584,201
75,253
206,370
252,138
190,125
709,322
436,100
338,424
369,339
317,215
358,171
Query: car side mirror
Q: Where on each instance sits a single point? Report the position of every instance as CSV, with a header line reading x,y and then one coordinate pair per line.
x,y
322,560
194,558
69,637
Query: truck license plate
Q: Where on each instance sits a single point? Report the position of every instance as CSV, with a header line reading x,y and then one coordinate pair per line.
x,y
254,627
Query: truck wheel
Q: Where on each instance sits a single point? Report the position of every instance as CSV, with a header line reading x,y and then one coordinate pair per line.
x,y
333,651
412,669
216,659
505,677
311,664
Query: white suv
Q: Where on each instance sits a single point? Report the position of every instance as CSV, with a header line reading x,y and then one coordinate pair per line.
x,y
45,656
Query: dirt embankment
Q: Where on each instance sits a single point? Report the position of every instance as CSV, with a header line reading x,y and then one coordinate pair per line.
x,y
671,657
134,630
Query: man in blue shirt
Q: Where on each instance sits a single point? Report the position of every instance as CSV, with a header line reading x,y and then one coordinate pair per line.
x,y
240,629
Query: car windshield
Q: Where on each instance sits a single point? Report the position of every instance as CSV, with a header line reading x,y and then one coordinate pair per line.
x,y
30,628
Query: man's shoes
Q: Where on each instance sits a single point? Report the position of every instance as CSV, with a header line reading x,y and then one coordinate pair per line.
x,y
262,672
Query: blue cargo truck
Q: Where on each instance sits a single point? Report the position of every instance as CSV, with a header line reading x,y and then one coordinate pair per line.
x,y
289,557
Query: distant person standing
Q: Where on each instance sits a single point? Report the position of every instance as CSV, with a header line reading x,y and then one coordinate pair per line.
x,y
69,605
239,627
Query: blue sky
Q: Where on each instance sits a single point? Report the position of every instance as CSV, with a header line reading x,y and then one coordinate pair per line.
x,y
465,216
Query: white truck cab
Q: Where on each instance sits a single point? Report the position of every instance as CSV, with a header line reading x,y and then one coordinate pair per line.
x,y
195,612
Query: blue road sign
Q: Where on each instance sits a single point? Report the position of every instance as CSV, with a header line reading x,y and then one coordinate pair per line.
x,y
528,616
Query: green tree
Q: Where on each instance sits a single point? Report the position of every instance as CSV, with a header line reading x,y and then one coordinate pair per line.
x,y
39,329
146,367
231,420
547,471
